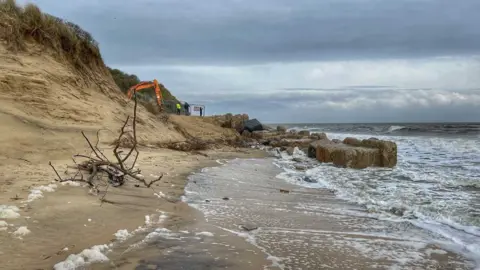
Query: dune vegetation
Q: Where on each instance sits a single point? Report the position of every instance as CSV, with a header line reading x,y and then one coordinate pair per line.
x,y
24,27
20,26
124,81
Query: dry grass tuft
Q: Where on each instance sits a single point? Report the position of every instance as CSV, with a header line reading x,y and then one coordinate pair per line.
x,y
20,25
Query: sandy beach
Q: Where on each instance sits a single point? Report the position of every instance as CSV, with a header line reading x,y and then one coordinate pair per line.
x,y
67,219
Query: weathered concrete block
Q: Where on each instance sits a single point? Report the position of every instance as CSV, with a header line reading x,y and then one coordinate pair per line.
x,y
353,153
313,146
388,151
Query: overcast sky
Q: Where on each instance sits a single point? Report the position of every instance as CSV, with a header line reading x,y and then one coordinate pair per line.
x,y
298,61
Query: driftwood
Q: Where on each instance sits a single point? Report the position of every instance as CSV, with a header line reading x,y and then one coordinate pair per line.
x,y
97,164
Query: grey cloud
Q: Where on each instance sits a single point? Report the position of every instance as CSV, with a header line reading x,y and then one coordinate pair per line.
x,y
250,31
351,106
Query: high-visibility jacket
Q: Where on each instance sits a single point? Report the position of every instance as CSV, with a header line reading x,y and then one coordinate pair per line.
x,y
179,106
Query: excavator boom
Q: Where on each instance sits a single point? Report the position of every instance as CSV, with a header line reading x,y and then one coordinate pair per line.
x,y
145,85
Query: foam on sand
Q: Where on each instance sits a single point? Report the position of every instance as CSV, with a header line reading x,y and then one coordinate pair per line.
x,y
160,195
96,254
9,212
3,225
205,234
71,183
37,192
122,235
21,231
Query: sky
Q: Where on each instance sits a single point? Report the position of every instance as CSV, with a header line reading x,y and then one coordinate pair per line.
x,y
285,61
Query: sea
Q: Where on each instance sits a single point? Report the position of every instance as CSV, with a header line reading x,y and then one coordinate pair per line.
x,y
422,214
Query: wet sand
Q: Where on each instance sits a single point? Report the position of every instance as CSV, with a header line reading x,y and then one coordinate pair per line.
x,y
310,228
192,244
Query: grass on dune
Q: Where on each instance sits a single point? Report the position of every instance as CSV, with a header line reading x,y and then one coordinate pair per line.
x,y
20,25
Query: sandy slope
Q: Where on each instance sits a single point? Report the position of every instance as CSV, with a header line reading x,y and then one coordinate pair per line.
x,y
44,102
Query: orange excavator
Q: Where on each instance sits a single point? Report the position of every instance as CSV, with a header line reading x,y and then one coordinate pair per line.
x,y
145,85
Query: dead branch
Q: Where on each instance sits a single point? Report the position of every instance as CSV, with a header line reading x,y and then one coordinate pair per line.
x,y
91,146
99,165
118,142
135,160
87,157
96,144
58,175
134,127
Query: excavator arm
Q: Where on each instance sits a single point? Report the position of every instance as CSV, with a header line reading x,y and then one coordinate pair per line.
x,y
145,85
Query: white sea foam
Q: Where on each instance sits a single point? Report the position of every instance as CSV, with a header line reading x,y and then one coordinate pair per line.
x,y
21,231
161,233
96,254
147,220
393,128
9,212
122,235
37,192
205,234
70,183
159,194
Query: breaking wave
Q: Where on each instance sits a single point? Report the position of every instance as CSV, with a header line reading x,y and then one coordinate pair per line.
x,y
438,129
434,187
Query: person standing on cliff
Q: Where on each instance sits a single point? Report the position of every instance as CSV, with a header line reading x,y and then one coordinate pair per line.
x,y
179,107
186,106
201,111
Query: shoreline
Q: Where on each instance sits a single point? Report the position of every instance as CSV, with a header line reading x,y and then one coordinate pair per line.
x,y
310,226
66,220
